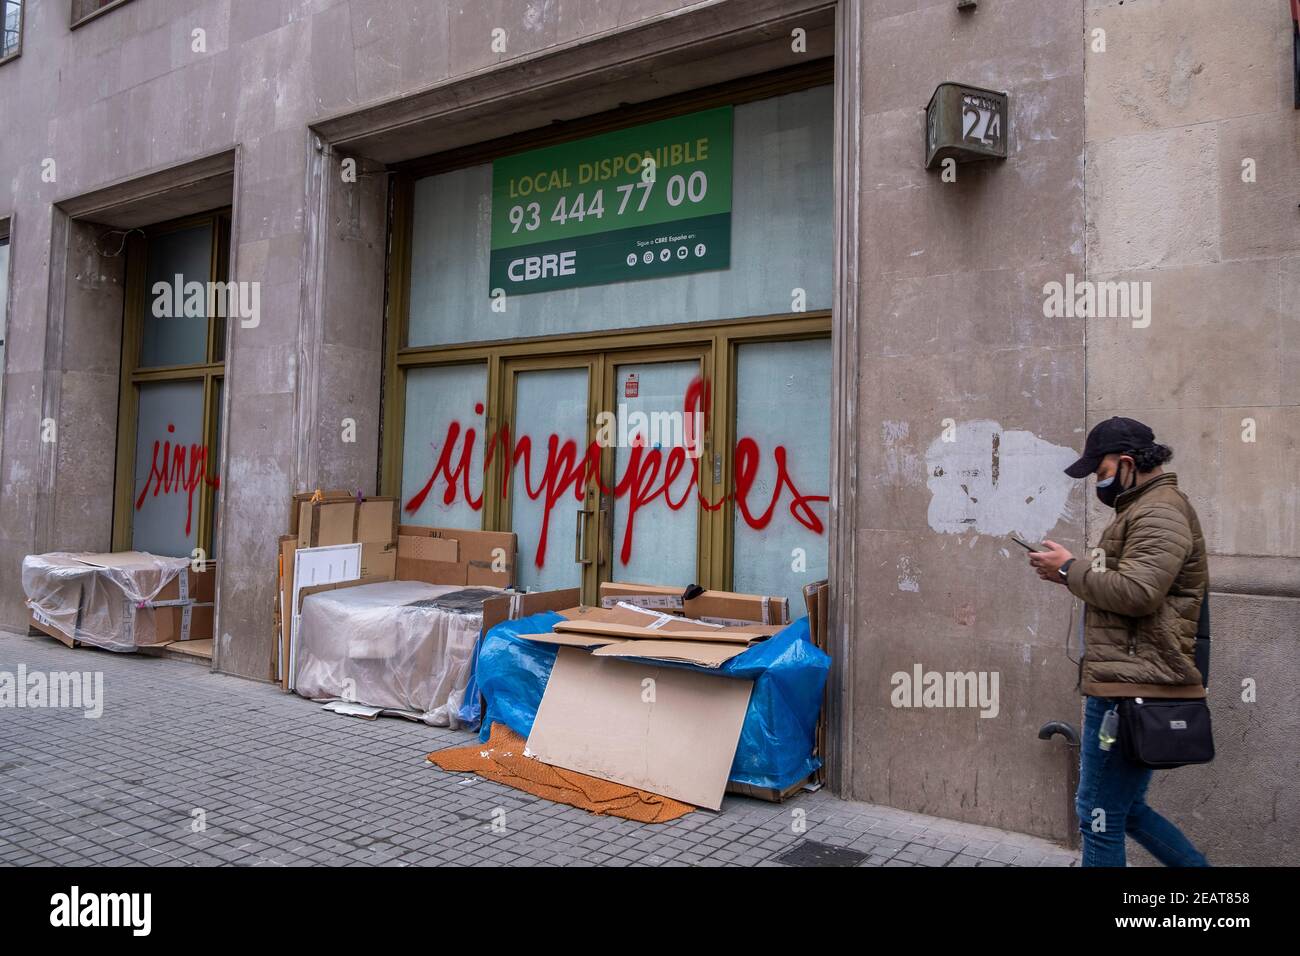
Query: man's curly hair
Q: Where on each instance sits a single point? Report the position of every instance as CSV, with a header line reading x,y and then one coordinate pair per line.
x,y
1152,456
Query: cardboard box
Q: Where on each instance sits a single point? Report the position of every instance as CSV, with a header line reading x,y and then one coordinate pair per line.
x,y
596,718
339,494
680,652
45,625
181,610
377,521
716,607
817,596
630,744
324,523
455,556
190,586
514,605
174,622
187,586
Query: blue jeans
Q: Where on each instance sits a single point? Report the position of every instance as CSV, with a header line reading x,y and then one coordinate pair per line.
x,y
1111,803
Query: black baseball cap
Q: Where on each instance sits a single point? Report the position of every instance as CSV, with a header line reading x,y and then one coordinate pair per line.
x,y
1112,435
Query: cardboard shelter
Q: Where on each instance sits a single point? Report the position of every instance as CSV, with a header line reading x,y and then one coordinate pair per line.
x,y
445,558
662,729
120,601
599,717
617,706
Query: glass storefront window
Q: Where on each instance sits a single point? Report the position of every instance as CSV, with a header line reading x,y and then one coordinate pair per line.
x,y
746,507
783,400
171,464
168,482
175,325
781,226
443,405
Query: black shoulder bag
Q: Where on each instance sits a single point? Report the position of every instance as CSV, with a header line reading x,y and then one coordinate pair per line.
x,y
1163,733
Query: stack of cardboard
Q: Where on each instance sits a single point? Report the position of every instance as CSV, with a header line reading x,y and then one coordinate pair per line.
x,y
452,556
625,630
714,607
611,710
120,601
325,520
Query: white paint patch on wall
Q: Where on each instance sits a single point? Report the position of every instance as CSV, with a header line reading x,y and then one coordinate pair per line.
x,y
995,481
909,578
901,460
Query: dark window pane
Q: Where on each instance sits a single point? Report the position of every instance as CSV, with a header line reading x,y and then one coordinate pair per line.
x,y
11,27
84,8
176,298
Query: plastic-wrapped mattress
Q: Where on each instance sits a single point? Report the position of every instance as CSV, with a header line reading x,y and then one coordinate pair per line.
x,y
396,645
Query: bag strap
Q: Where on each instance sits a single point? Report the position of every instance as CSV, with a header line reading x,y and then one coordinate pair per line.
x,y
1203,639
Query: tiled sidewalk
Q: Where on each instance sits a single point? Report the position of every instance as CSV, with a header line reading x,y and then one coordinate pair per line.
x,y
276,781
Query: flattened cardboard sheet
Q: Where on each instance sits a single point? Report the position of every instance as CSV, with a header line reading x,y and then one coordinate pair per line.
x,y
683,652
595,718
572,640
631,632
716,606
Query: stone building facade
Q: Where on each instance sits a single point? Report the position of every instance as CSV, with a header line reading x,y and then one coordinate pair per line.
x,y
1154,143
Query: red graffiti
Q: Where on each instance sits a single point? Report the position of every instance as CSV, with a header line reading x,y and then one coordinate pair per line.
x,y
649,475
173,476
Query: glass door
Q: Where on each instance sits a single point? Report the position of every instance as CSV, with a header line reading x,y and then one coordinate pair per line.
x,y
543,455
598,464
656,458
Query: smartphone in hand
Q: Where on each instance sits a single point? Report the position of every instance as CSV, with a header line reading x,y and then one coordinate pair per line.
x,y
1036,549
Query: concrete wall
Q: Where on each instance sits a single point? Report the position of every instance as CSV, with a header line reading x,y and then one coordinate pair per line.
x,y
1189,95
128,93
952,331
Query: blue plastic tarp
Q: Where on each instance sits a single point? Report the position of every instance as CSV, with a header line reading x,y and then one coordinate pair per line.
x,y
776,739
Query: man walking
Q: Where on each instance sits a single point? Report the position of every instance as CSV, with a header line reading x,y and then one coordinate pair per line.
x,y
1143,595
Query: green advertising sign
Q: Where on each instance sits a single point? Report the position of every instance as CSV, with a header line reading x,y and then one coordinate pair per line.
x,y
637,203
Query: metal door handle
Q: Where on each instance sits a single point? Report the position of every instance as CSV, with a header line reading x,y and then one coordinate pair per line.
x,y
600,541
580,537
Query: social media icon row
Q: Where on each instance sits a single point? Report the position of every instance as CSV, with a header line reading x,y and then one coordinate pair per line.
x,y
666,254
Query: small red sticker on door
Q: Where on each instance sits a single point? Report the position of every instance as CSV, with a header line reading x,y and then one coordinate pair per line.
x,y
632,387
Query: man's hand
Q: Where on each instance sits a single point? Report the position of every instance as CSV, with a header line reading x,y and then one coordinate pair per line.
x,y
1048,563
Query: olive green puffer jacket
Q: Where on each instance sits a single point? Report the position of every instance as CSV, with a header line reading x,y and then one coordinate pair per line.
x,y
1140,628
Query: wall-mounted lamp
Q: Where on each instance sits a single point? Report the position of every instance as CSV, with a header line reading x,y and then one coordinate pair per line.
x,y
965,123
